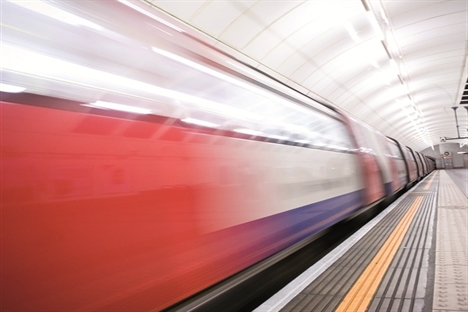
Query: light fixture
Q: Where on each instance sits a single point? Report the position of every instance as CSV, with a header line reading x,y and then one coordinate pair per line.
x,y
277,137
119,107
11,88
248,131
374,63
46,9
375,25
352,32
200,122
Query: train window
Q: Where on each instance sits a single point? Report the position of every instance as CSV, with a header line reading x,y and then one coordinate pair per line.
x,y
169,81
394,150
410,154
338,135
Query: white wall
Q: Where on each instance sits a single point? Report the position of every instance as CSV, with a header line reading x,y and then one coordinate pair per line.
x,y
455,160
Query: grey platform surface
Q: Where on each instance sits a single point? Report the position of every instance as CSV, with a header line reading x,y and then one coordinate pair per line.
x,y
428,272
451,260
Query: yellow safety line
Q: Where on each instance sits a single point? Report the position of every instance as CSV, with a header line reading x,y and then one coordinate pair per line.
x,y
360,296
429,183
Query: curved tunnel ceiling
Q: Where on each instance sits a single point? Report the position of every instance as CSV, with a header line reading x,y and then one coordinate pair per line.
x,y
398,65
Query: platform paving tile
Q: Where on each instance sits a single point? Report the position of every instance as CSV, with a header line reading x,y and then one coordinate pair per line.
x,y
418,256
401,305
409,280
384,304
451,256
450,296
317,302
408,269
337,285
404,285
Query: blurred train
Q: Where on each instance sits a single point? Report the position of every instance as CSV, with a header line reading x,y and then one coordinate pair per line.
x,y
141,165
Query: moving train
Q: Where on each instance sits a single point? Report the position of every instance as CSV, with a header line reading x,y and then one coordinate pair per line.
x,y
140,165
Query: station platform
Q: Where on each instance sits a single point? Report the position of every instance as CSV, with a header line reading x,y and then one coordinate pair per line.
x,y
412,257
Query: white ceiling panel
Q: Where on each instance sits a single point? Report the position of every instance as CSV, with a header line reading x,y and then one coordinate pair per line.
x,y
413,60
430,36
424,10
408,7
444,60
245,25
217,16
428,47
268,12
375,59
425,76
285,63
308,31
265,42
291,22
452,21
390,110
346,72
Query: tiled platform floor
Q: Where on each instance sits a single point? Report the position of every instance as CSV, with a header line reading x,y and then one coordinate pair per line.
x,y
451,260
427,272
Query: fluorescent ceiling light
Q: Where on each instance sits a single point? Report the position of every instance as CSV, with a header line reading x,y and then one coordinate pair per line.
x,y
375,25
374,63
340,148
384,17
200,122
119,107
278,137
10,88
248,131
56,13
352,32
393,69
